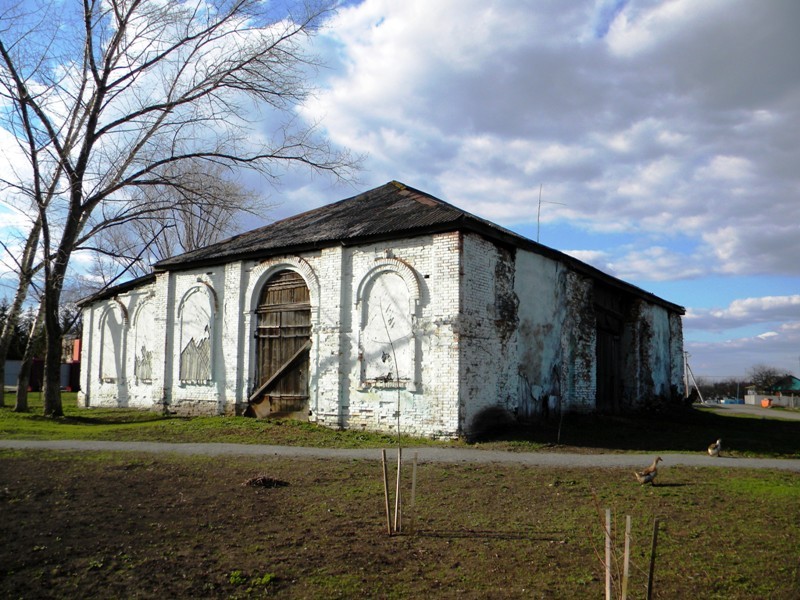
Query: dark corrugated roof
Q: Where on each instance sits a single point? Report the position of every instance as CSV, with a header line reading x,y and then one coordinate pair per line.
x,y
121,288
386,212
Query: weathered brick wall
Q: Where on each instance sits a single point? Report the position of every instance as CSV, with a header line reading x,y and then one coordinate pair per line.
x,y
541,368
677,366
125,390
338,396
426,401
653,358
578,344
487,326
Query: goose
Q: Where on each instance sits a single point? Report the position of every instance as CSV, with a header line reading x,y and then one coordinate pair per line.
x,y
648,478
648,474
715,448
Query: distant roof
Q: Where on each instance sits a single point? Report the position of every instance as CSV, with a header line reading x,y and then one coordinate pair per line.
x,y
387,212
790,383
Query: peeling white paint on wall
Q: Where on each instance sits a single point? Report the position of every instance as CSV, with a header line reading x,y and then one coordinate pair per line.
x,y
487,328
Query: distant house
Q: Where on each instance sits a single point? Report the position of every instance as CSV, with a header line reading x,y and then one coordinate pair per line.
x,y
785,392
391,308
788,385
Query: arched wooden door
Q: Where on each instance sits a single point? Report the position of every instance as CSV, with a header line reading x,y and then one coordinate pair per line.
x,y
283,340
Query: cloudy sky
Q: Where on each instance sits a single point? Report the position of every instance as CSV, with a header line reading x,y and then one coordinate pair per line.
x,y
663,135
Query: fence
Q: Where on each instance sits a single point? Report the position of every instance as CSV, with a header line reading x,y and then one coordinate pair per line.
x,y
790,401
70,375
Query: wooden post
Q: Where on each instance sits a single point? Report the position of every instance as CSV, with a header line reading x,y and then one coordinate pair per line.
x,y
652,561
627,559
386,492
608,554
397,505
413,504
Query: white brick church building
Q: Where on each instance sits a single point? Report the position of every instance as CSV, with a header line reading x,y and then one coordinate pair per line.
x,y
390,307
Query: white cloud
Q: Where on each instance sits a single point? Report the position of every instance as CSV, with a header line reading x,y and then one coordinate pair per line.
x,y
640,30
747,311
723,168
734,357
458,100
663,133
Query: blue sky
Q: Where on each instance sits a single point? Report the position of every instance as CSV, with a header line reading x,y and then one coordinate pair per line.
x,y
663,134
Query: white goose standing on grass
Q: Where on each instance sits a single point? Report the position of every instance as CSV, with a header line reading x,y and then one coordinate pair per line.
x,y
649,474
715,448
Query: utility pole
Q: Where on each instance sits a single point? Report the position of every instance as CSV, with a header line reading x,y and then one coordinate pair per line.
x,y
539,211
685,374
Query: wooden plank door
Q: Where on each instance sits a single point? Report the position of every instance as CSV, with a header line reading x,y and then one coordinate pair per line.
x,y
283,340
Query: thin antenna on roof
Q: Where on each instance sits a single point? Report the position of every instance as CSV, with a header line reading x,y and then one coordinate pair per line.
x,y
539,212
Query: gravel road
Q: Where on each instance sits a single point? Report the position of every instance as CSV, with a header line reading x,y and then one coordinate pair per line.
x,y
440,455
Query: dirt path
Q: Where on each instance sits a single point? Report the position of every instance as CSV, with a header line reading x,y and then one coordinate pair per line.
x,y
758,411
441,455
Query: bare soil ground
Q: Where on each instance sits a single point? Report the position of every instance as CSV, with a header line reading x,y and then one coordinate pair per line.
x,y
124,525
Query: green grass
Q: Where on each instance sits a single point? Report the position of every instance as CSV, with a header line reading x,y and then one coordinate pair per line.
x,y
682,431
125,424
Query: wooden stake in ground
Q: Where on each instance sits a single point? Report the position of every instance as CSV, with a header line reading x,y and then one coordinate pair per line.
x,y
652,561
397,504
627,559
413,503
386,493
608,554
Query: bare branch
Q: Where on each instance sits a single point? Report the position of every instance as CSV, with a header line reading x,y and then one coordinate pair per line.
x,y
119,103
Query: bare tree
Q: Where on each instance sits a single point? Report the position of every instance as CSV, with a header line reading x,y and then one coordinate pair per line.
x,y
106,98
31,348
180,221
25,269
764,376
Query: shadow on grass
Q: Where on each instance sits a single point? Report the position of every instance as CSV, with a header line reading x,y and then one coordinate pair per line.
x,y
101,420
486,534
670,485
686,430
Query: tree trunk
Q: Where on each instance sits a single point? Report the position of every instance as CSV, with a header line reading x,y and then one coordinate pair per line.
x,y
51,390
25,274
2,381
5,343
52,363
23,379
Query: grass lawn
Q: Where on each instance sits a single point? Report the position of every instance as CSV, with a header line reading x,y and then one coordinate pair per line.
x,y
124,525
684,431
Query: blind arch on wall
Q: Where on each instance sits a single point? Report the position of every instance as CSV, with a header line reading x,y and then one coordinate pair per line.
x,y
144,343
387,299
113,324
196,334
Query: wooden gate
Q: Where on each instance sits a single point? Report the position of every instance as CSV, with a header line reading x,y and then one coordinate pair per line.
x,y
610,310
283,340
609,371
